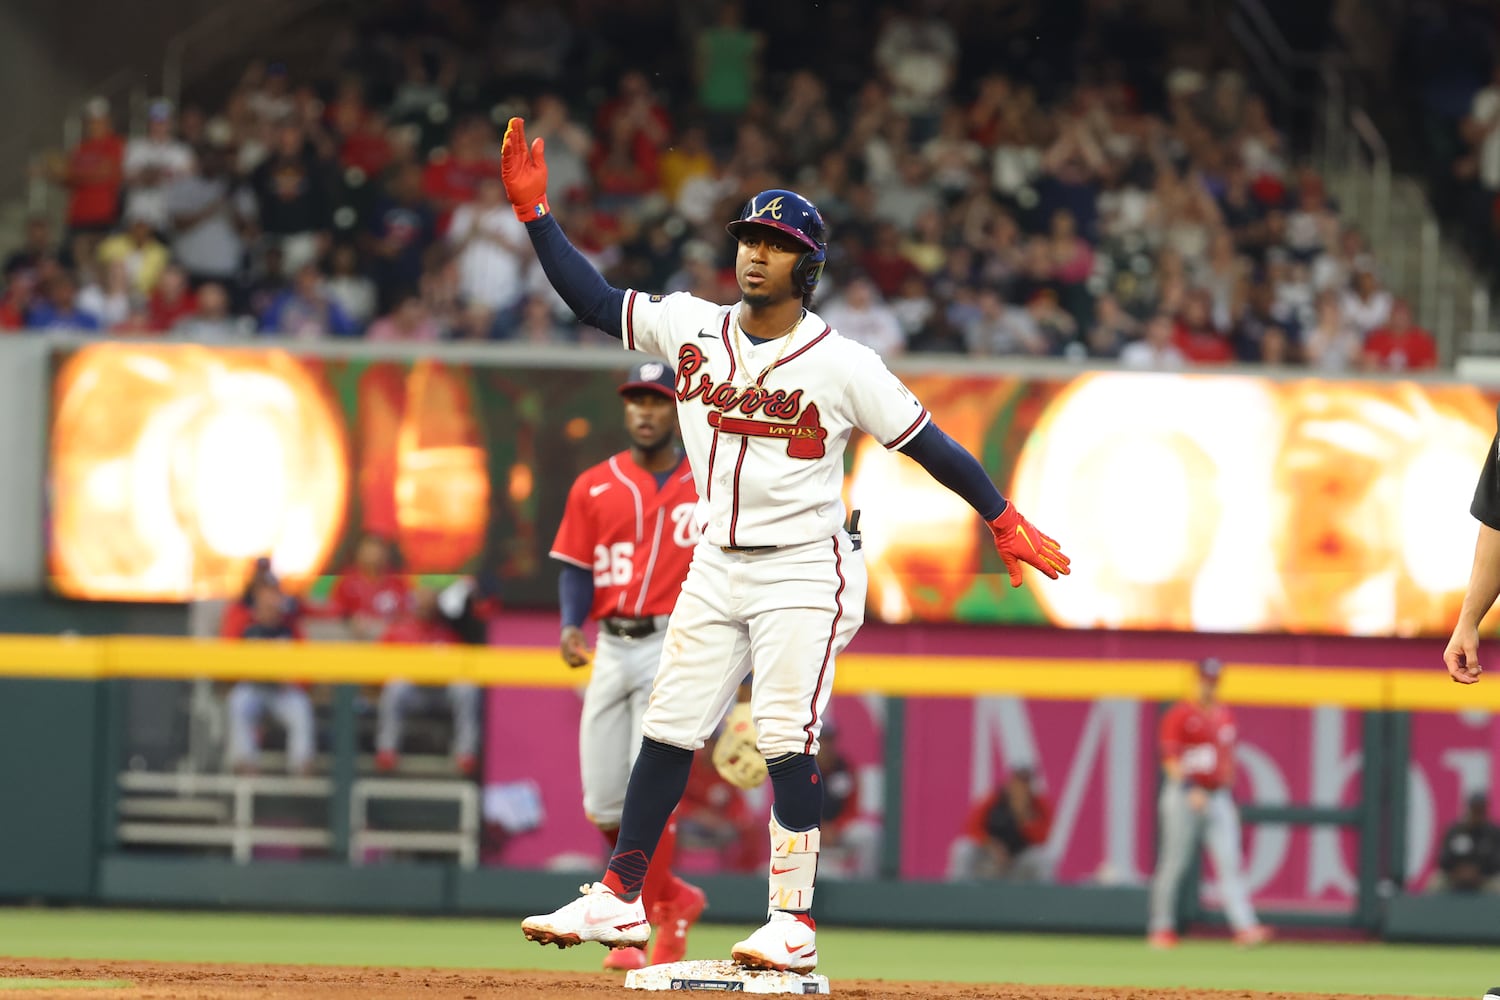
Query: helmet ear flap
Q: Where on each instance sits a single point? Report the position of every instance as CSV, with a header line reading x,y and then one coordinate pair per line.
x,y
809,270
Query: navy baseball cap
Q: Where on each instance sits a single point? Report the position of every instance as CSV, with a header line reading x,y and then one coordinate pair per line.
x,y
1210,667
653,376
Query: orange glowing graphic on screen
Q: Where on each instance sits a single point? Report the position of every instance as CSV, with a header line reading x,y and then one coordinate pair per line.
x,y
1241,504
442,487
174,467
920,545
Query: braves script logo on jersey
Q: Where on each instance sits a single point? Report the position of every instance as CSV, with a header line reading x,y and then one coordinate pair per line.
x,y
804,433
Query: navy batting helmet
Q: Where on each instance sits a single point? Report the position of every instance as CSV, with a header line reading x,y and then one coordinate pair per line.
x,y
790,213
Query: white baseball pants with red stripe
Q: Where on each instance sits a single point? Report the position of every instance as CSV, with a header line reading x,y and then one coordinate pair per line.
x,y
784,615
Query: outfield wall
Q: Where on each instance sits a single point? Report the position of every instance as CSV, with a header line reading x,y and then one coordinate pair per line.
x,y
1325,743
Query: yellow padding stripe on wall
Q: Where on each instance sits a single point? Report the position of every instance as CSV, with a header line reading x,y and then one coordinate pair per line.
x,y
897,675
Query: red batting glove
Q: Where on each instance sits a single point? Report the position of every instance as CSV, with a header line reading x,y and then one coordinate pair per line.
x,y
524,171
1018,541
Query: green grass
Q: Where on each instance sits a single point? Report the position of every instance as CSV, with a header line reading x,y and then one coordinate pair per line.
x,y
497,943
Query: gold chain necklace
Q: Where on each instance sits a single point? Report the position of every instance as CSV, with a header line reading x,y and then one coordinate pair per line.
x,y
786,341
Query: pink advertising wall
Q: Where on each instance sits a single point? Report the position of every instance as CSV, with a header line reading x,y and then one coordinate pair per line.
x,y
1097,760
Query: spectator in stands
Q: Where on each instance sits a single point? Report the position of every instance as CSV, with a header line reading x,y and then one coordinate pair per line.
x,y
58,307
402,227
293,196
15,304
539,325
371,596
143,254
1470,858
1112,329
851,839
1196,337
453,177
212,319
108,296
860,315
1332,345
1481,130
425,624
92,173
171,301
530,47
569,145
1157,350
152,162
917,55
728,67
271,617
998,329
36,246
409,320
493,249
913,308
1366,305
305,310
1006,834
349,288
210,212
1400,345
1056,325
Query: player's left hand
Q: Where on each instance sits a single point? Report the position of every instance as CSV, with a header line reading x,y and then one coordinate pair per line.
x,y
523,169
1462,655
1018,541
574,647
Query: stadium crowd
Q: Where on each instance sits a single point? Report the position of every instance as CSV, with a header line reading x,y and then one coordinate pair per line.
x,y
982,201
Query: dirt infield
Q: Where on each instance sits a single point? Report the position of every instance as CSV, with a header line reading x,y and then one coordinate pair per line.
x,y
188,981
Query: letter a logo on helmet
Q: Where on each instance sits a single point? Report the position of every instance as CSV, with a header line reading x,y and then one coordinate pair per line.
x,y
789,213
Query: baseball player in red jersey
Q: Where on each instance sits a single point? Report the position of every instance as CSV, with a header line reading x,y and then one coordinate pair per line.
x,y
1197,759
768,396
626,538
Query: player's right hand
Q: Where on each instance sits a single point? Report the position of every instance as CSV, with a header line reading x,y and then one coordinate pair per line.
x,y
574,648
1018,541
1462,655
523,168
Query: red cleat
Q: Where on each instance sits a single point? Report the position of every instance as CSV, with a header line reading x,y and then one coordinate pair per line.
x,y
467,765
672,920
1162,940
385,761
625,959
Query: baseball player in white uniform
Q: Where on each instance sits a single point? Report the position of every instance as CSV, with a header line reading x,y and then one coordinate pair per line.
x,y
768,396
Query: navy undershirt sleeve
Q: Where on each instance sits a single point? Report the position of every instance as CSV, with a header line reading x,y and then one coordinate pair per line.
x,y
575,592
593,300
950,463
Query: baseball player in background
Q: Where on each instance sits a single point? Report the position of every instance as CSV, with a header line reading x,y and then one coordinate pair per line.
x,y
1197,761
626,538
768,396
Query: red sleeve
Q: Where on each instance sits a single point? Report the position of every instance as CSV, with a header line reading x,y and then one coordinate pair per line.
x,y
974,829
236,617
341,602
1040,826
575,535
1170,737
1425,355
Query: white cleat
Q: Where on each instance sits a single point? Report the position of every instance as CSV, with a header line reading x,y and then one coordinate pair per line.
x,y
785,944
597,915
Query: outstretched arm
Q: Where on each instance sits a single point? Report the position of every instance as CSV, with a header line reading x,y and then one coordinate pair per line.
x,y
582,287
1016,539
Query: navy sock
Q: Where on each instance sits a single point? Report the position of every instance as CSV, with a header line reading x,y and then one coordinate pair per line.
x,y
797,789
656,785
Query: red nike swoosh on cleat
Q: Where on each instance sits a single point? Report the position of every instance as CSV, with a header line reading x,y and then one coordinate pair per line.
x,y
782,871
626,927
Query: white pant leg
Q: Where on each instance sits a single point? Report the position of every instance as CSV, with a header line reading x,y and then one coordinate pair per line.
x,y
964,856
705,656
1224,846
1178,826
609,730
293,709
463,699
397,701
246,702
805,607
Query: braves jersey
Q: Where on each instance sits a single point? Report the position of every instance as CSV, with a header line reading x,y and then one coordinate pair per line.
x,y
1201,740
766,438
387,596
636,539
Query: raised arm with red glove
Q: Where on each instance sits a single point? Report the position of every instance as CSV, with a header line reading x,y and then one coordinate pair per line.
x,y
523,168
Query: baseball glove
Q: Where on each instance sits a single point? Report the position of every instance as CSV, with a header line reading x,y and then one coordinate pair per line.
x,y
736,757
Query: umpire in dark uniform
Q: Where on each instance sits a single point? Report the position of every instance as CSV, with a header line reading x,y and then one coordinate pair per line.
x,y
1462,654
